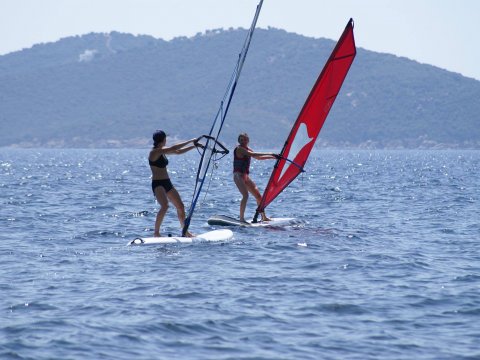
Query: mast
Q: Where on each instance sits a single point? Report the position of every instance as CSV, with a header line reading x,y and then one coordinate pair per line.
x,y
212,139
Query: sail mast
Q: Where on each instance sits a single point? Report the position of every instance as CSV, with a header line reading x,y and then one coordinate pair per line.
x,y
211,141
311,118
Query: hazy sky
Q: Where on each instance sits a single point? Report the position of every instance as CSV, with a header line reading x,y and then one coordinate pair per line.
x,y
437,32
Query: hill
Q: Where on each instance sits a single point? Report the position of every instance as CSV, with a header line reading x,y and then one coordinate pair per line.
x,y
113,90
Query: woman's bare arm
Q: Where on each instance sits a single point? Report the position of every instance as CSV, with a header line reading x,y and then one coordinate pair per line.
x,y
174,149
257,155
183,150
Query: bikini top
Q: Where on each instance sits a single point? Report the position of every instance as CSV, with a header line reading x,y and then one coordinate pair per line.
x,y
161,162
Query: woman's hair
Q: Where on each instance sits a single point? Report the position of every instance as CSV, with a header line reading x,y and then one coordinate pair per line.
x,y
158,137
242,134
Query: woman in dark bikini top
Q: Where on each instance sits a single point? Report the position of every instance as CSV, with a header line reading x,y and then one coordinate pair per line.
x,y
241,169
162,187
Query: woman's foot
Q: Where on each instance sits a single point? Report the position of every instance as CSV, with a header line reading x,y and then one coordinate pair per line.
x,y
189,234
156,235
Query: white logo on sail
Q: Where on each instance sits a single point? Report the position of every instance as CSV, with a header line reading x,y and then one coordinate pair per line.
x,y
299,142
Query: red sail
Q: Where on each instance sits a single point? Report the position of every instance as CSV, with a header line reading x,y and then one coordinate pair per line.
x,y
311,118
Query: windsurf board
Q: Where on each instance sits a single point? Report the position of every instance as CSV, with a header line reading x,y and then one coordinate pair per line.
x,y
224,220
210,236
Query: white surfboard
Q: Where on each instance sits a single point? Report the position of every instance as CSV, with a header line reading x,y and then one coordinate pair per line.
x,y
211,236
224,220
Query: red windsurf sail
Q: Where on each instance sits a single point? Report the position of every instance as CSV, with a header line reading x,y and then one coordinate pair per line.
x,y
305,131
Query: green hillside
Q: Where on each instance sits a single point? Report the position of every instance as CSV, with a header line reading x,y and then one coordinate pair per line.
x,y
113,90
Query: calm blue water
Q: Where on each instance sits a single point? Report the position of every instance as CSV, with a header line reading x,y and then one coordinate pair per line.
x,y
390,270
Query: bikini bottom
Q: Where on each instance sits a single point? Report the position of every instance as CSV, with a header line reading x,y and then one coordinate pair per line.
x,y
165,183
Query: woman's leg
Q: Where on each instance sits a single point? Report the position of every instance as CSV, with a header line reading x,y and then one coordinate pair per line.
x,y
242,187
176,200
253,189
161,197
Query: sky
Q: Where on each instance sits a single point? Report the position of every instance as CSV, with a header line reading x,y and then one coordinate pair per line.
x,y
437,32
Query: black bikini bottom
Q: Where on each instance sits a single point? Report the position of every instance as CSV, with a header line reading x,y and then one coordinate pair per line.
x,y
165,183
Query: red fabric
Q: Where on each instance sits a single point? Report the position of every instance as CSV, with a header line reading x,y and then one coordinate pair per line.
x,y
241,165
312,116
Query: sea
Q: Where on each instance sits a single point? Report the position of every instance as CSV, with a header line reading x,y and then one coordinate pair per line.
x,y
383,262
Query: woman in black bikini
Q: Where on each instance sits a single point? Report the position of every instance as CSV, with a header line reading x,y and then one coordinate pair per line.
x,y
161,185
